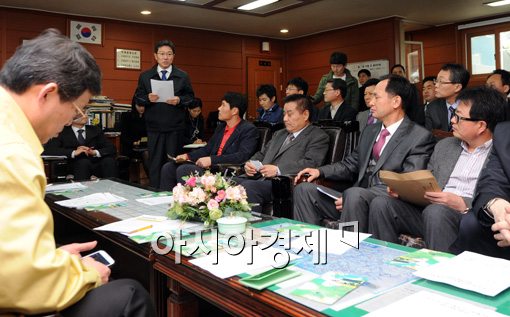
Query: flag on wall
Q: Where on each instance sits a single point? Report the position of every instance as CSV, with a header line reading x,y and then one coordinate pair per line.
x,y
85,32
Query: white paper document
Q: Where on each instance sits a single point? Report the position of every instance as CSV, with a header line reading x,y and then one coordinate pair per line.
x,y
327,193
163,88
471,271
194,146
91,200
159,200
51,188
145,224
427,304
230,265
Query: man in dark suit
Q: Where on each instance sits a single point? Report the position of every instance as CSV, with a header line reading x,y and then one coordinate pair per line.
x,y
233,142
298,145
165,119
486,228
456,164
336,109
500,80
87,149
451,79
395,143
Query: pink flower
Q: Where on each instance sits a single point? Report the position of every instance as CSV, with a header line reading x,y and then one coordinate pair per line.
x,y
212,204
192,181
208,180
220,196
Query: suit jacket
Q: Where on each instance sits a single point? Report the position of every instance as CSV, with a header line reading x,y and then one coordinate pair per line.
x,y
409,149
344,113
362,118
160,116
66,142
443,160
309,149
494,180
238,149
436,116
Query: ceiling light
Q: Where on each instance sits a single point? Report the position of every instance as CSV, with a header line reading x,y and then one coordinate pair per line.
x,y
284,31
145,12
497,3
256,4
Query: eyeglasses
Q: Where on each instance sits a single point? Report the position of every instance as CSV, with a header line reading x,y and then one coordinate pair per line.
x,y
290,88
440,82
79,113
165,54
326,90
459,118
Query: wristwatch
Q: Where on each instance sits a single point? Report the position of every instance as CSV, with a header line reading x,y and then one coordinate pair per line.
x,y
487,208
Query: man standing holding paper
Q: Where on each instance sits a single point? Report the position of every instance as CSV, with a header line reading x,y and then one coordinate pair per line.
x,y
456,164
165,118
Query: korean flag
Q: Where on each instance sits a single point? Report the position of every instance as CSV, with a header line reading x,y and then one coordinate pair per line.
x,y
85,32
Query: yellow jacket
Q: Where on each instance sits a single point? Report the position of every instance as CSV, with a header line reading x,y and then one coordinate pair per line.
x,y
35,276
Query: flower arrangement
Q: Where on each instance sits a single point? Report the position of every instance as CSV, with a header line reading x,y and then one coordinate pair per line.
x,y
208,198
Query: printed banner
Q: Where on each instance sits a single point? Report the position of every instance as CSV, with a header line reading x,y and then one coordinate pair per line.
x,y
85,32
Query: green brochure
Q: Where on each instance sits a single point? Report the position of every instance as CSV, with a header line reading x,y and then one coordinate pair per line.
x,y
420,258
268,278
329,287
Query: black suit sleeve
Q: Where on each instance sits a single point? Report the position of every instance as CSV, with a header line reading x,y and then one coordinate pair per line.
x,y
494,179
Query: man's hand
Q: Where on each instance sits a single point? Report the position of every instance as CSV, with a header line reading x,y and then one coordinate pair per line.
x,y
339,204
103,270
502,228
249,169
198,141
312,172
449,199
91,152
153,97
76,248
81,149
391,192
269,170
204,162
174,101
181,158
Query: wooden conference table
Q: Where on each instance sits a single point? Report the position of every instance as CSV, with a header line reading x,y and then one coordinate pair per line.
x,y
176,288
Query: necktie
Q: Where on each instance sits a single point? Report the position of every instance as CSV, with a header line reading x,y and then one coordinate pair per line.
x,y
451,110
163,74
376,150
81,139
289,139
371,120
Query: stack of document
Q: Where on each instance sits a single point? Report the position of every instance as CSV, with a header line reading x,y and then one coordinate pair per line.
x,y
145,225
51,188
471,271
91,200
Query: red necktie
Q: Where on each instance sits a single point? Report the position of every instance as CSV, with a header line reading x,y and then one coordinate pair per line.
x,y
376,150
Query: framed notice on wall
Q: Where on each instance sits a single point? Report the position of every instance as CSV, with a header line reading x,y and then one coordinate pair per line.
x,y
128,59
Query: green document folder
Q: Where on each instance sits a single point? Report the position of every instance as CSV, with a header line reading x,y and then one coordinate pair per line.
x,y
268,278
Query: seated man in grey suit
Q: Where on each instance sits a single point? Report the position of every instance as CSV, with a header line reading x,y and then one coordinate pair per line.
x,y
233,142
336,108
394,143
451,79
87,149
291,149
456,163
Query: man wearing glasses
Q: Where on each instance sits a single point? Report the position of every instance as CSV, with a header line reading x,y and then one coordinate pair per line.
x,y
87,149
165,119
38,99
450,81
456,164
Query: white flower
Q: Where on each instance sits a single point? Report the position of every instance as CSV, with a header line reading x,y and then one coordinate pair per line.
x,y
196,196
179,193
208,180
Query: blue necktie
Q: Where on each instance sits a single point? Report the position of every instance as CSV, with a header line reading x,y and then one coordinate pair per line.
x,y
163,74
